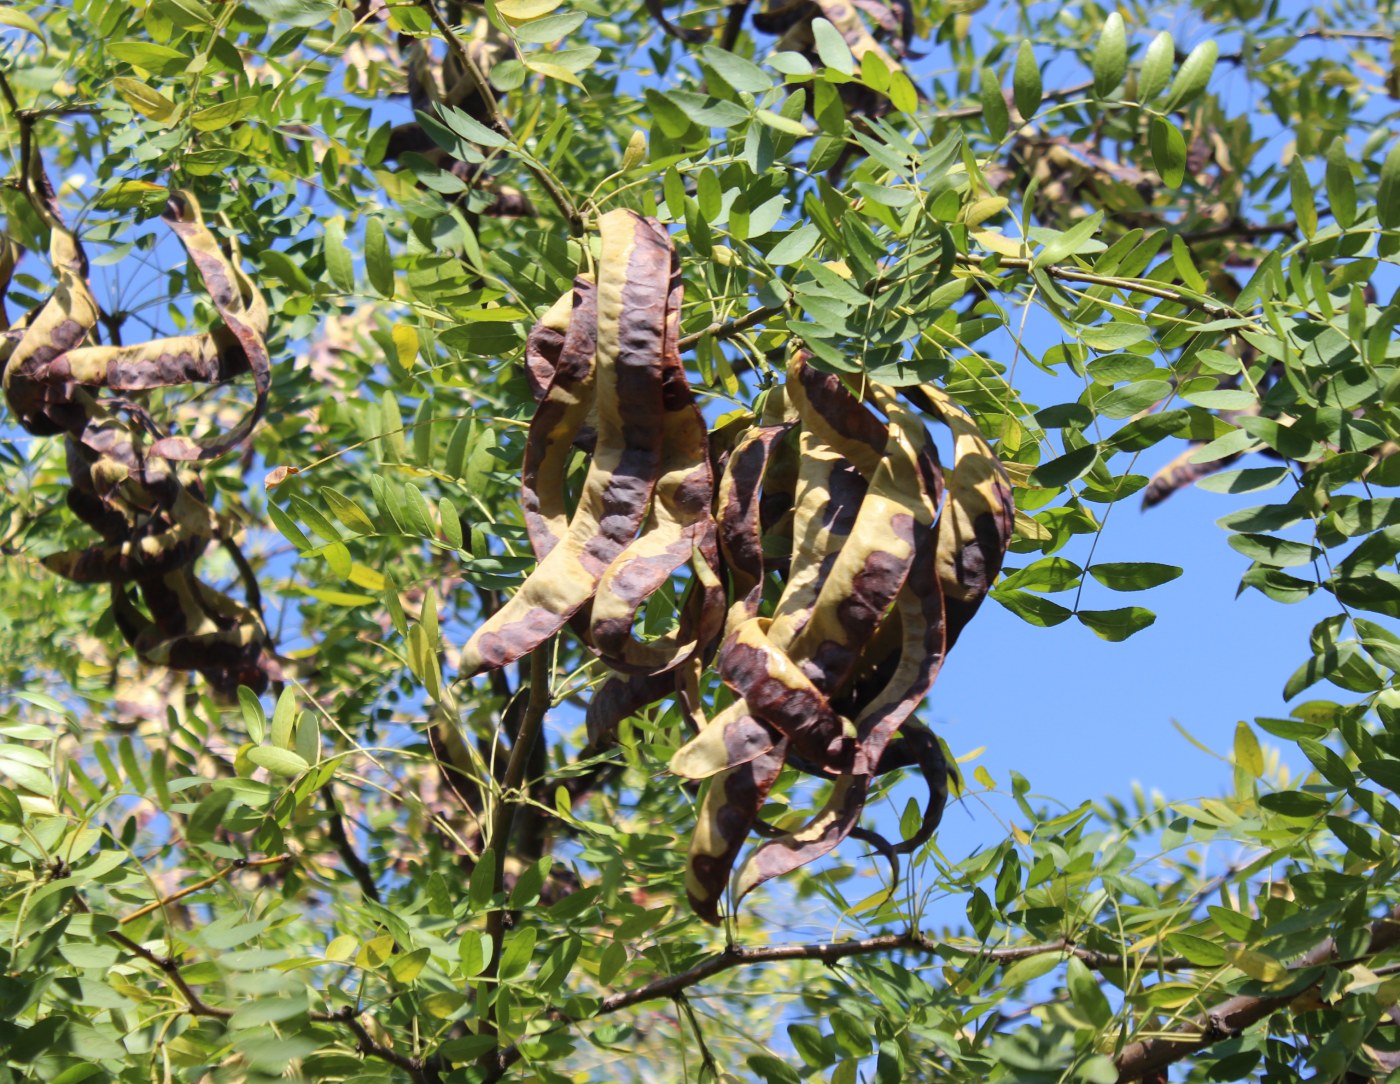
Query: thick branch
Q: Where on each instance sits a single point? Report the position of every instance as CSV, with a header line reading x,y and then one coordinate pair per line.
x,y
1229,1018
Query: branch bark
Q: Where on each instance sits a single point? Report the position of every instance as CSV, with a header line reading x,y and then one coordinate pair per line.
x,y
1231,1017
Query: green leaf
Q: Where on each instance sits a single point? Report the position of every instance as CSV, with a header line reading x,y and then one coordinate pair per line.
x,y
1110,56
791,247
347,511
1116,625
1156,67
147,101
1087,995
379,265
1128,400
994,110
739,73
207,817
1341,188
157,59
832,47
483,881
284,717
1293,803
1388,193
1133,575
1049,574
1070,241
278,761
1032,608
1168,148
550,28
519,948
20,21
1248,755
1028,970
223,114
1273,551
1301,194
1247,480
1194,74
1197,950
338,263
1026,87
522,11
253,717
1116,335
473,131
1066,468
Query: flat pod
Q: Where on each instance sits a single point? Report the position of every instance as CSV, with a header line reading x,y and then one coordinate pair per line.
x,y
636,300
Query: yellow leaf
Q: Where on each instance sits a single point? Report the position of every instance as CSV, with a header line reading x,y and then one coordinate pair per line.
x,y
554,71
376,951
1256,965
1021,837
980,210
147,101
405,344
368,578
1248,755
636,150
998,243
522,11
341,949
20,21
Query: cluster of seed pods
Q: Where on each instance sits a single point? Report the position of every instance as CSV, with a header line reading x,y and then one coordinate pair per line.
x,y
833,561
134,483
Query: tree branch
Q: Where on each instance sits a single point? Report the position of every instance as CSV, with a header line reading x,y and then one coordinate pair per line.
x,y
496,119
1069,274
672,986
722,330
354,864
195,1005
1229,1018
213,878
503,819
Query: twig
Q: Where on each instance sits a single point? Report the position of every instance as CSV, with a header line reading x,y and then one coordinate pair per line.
x,y
672,986
503,820
195,1005
496,119
199,886
1230,1018
1069,274
968,111
1236,228
335,826
721,330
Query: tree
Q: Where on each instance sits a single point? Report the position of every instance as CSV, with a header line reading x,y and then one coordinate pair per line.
x,y
362,773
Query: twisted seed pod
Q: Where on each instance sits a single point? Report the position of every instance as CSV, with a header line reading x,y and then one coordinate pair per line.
x,y
153,519
644,509
883,562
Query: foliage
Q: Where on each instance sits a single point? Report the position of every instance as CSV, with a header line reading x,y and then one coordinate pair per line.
x,y
261,823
